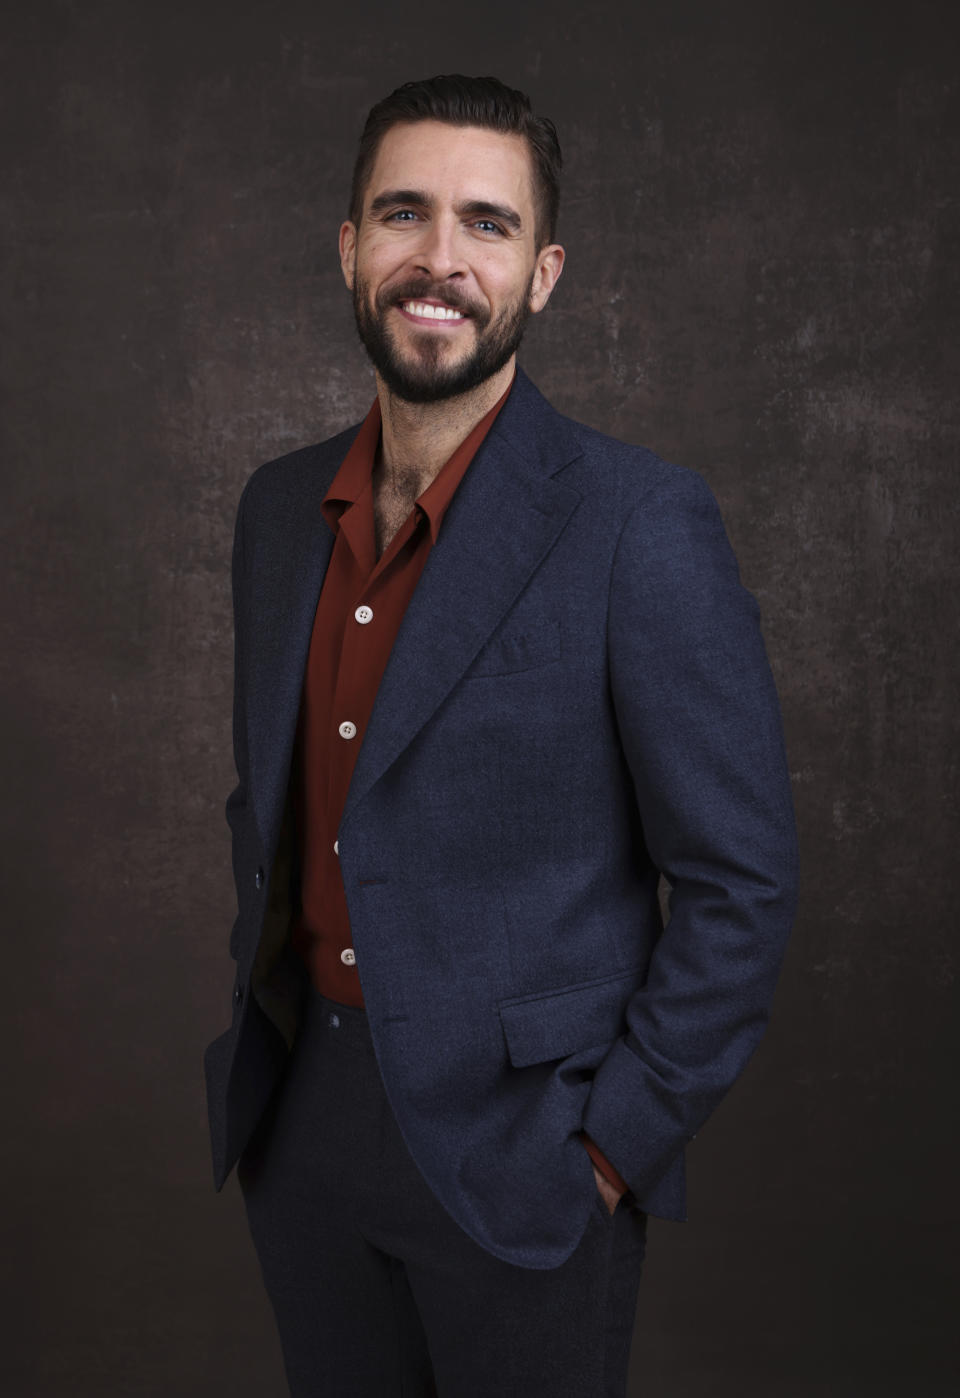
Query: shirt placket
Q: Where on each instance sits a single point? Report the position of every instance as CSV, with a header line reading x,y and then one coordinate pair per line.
x,y
363,656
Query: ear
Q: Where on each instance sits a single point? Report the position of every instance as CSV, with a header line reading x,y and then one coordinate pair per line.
x,y
348,252
546,275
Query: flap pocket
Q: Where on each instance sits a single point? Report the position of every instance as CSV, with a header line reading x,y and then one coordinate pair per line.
x,y
518,648
560,1022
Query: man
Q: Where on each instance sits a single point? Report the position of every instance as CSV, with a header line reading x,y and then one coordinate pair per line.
x,y
495,674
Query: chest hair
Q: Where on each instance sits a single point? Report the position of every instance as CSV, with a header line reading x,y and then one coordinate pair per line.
x,y
390,510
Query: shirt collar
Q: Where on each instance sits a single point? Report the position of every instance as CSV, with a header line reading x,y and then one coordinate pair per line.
x,y
354,476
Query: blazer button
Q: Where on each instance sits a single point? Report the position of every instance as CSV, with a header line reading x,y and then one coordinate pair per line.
x,y
258,880
348,956
238,995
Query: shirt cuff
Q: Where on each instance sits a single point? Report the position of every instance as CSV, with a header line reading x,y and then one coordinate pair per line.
x,y
603,1164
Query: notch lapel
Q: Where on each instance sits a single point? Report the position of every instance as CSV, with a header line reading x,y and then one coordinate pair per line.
x,y
503,519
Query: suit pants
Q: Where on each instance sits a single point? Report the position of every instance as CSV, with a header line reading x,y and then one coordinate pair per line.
x,y
377,1291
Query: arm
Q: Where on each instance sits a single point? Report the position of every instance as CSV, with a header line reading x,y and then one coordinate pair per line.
x,y
700,726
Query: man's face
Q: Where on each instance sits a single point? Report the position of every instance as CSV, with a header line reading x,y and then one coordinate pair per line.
x,y
444,266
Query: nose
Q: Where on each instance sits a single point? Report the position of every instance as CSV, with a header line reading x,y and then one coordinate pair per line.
x,y
437,253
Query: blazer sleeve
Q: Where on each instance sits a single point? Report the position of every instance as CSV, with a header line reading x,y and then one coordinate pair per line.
x,y
700,725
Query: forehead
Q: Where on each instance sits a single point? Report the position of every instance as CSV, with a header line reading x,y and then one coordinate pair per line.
x,y
454,162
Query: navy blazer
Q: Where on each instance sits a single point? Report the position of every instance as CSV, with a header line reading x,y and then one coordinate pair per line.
x,y
578,701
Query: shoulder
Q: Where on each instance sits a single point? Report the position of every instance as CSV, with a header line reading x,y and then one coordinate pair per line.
x,y
669,531
664,517
632,477
277,483
614,474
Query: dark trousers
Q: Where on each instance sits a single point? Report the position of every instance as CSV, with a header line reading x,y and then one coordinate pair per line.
x,y
377,1291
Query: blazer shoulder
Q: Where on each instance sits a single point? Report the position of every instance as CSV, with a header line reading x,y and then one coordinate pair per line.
x,y
633,473
278,479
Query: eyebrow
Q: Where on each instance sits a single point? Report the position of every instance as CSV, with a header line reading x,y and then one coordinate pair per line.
x,y
390,197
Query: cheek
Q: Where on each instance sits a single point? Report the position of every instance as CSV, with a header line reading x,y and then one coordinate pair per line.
x,y
498,287
378,262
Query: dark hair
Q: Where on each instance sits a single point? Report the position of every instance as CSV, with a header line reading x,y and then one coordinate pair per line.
x,y
462,101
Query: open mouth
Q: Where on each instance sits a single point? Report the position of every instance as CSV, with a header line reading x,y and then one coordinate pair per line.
x,y
431,313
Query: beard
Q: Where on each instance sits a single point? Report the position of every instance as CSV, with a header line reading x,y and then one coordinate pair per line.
x,y
421,375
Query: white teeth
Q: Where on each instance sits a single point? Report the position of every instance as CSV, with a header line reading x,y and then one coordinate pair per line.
x,y
420,308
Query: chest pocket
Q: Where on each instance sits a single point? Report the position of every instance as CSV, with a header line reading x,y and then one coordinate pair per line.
x,y
516,648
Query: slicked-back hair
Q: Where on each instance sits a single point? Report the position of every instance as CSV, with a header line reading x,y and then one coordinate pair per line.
x,y
462,101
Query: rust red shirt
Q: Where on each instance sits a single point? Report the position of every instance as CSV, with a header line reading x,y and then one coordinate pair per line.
x,y
361,606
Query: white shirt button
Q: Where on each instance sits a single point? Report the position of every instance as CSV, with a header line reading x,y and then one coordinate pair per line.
x,y
336,847
364,614
348,956
347,729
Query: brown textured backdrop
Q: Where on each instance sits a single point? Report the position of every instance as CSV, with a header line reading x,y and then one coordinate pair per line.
x,y
761,219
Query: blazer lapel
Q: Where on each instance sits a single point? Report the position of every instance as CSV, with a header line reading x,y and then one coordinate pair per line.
x,y
500,524
291,560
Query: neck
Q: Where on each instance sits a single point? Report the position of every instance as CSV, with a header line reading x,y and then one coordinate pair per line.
x,y
418,438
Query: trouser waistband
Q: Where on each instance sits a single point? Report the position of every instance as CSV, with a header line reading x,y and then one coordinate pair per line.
x,y
349,1024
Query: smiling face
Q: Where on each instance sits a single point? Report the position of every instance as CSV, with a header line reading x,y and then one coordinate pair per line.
x,y
444,267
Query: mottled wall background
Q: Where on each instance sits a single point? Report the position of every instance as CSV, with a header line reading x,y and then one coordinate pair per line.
x,y
761,220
